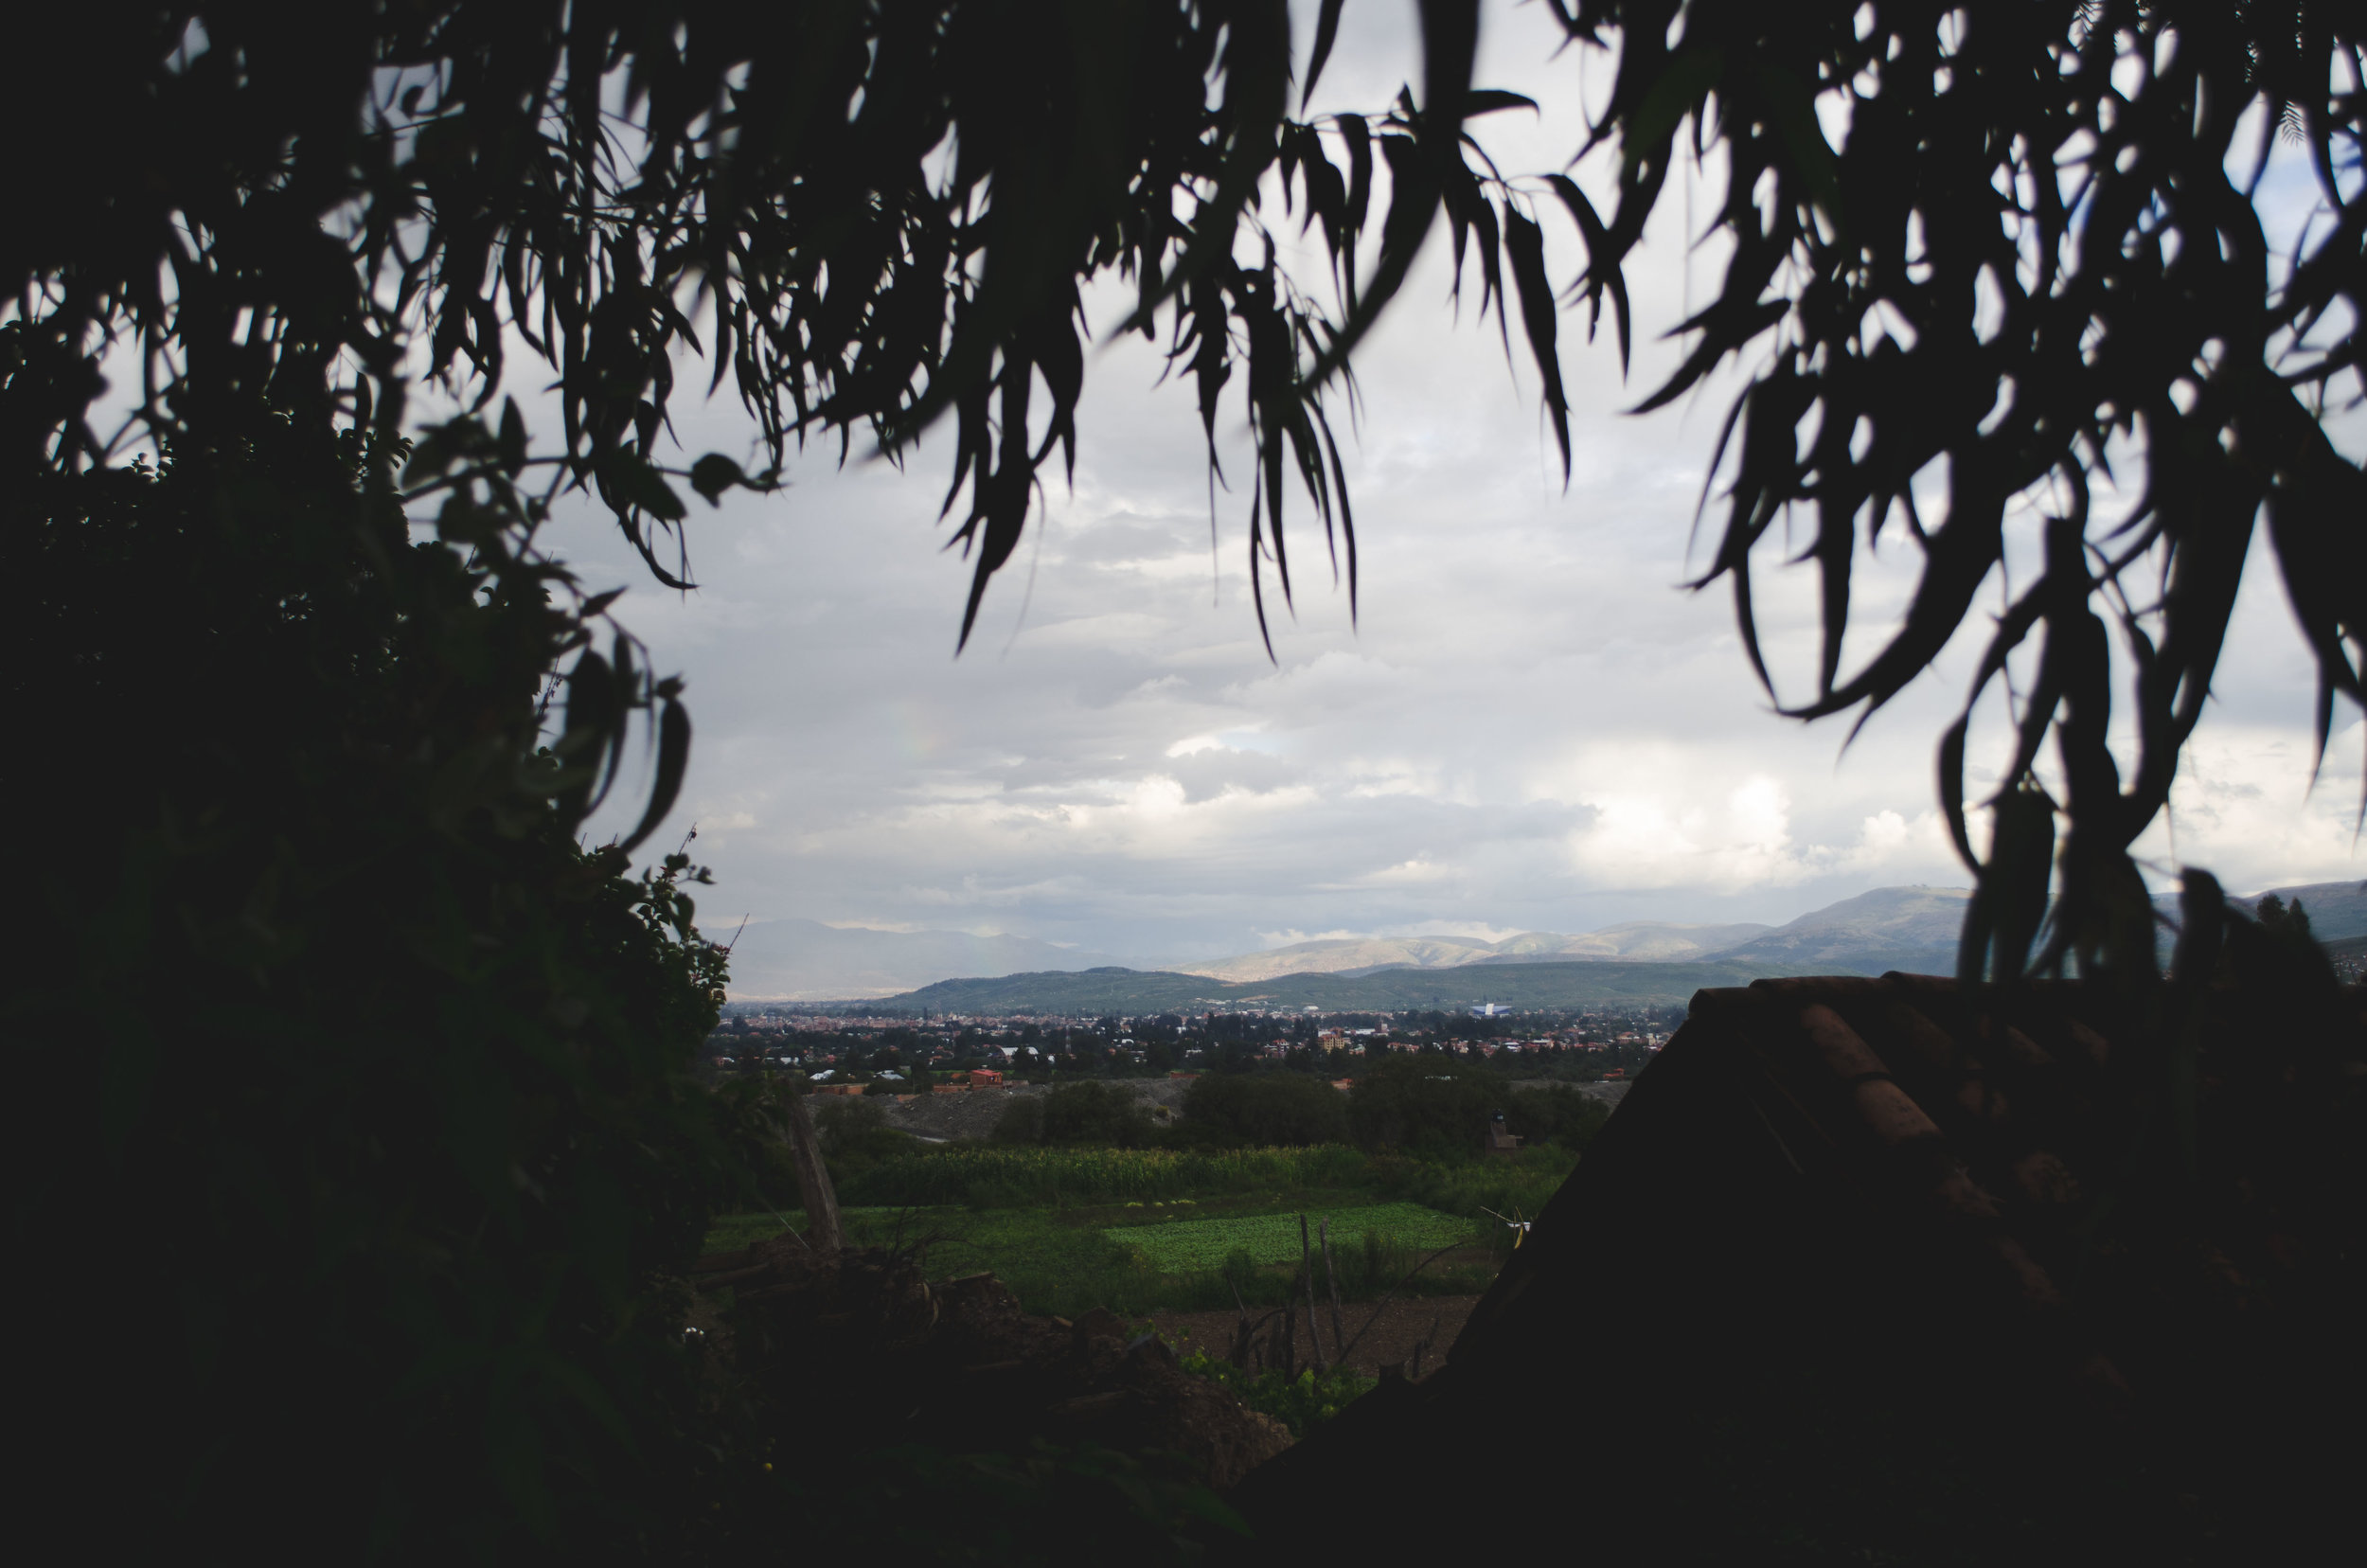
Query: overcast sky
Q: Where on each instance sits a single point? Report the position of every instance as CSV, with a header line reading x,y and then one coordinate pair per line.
x,y
1533,727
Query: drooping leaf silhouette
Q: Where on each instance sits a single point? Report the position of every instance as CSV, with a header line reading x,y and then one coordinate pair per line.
x,y
1986,254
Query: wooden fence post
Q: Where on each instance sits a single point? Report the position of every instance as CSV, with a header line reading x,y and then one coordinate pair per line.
x,y
1307,1274
1339,1322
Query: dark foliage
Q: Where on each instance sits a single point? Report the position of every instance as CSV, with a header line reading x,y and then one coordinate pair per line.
x,y
358,1090
1263,1110
1088,1113
2033,255
1560,1114
1432,1105
856,1136
321,186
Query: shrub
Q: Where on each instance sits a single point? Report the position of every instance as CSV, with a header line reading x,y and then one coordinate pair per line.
x,y
1088,1113
760,1167
1096,1113
1022,1121
856,1137
1562,1115
1263,1110
1302,1402
1432,1105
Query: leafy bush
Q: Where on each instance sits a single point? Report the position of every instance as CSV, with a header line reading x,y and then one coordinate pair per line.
x,y
1561,1114
1302,1402
1096,1113
1263,1110
1437,1106
1088,1113
1022,1121
856,1137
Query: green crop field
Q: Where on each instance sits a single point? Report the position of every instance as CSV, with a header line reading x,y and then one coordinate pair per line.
x,y
1140,1230
1145,1256
1183,1246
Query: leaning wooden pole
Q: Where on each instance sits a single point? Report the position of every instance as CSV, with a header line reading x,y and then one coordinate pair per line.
x,y
814,1178
1307,1274
1331,1274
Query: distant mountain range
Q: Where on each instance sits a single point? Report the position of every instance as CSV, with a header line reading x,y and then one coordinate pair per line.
x,y
1909,928
1598,983
1890,928
1644,942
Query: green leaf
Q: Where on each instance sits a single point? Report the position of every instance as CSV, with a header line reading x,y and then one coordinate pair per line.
x,y
714,473
1679,91
1524,247
512,442
640,485
1487,101
673,761
1327,29
1795,114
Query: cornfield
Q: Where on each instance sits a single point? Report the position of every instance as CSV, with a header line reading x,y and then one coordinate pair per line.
x,y
1002,1178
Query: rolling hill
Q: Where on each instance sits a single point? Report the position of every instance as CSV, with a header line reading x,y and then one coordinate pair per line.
x,y
1890,928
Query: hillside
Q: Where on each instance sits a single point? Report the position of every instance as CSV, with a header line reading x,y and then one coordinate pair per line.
x,y
2336,910
1359,954
1582,984
1890,928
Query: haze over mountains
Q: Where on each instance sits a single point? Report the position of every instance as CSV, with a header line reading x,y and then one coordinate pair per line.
x,y
1889,928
